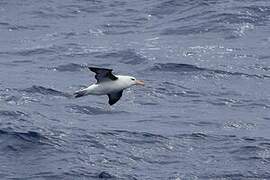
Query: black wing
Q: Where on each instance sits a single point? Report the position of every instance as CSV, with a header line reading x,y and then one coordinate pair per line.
x,y
114,97
103,74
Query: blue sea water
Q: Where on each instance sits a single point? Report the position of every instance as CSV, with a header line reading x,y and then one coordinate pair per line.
x,y
203,114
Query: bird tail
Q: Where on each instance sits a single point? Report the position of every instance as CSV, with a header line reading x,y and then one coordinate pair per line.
x,y
80,93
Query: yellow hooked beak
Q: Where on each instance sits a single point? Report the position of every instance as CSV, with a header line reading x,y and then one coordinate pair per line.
x,y
139,82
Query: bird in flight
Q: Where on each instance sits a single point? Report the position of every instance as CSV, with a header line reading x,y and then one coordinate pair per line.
x,y
108,84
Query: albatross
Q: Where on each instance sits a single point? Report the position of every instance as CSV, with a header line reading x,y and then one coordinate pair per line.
x,y
108,84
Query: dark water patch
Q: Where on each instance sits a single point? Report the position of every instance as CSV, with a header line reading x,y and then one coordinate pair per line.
x,y
188,18
71,67
175,67
13,114
206,137
91,141
128,56
49,14
36,51
202,124
19,28
68,35
199,135
201,28
48,175
145,120
45,91
174,7
166,8
29,136
84,6
16,141
253,105
148,103
131,23
4,24
109,29
23,62
249,149
171,84
266,68
91,110
105,175
8,64
186,68
265,145
142,134
15,27
77,171
225,102
176,90
249,139
251,152
134,137
122,25
162,162
231,175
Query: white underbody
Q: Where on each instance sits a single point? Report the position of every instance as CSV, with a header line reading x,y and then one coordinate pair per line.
x,y
108,87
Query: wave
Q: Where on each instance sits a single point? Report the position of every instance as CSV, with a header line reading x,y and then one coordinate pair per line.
x,y
175,67
255,151
237,176
184,68
71,67
49,14
128,56
135,137
105,175
35,51
45,91
29,136
200,17
14,114
16,27
39,50
91,110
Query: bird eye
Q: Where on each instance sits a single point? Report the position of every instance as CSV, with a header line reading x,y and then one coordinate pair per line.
x,y
132,79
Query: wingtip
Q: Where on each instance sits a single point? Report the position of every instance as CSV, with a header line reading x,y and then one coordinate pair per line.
x,y
92,68
111,103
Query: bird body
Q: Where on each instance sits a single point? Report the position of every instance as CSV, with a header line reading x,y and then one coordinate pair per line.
x,y
108,84
107,87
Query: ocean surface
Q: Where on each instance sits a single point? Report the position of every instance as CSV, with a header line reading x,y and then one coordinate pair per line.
x,y
203,114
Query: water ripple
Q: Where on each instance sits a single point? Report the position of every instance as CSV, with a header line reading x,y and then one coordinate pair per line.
x,y
45,91
185,68
128,56
71,67
91,110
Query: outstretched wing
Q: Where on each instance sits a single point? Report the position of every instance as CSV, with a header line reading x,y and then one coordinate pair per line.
x,y
103,74
114,97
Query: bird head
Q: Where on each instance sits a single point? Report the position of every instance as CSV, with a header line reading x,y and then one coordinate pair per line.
x,y
136,82
130,81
